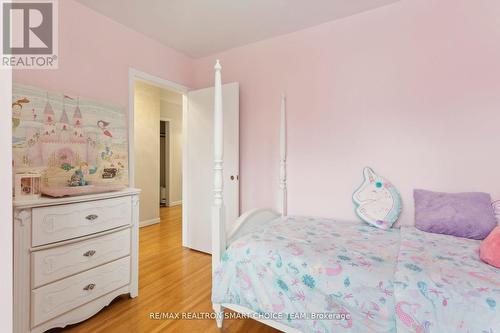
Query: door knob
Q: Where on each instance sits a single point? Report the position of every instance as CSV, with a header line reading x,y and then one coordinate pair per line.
x,y
232,177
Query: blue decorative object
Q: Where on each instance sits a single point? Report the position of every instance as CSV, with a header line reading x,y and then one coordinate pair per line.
x,y
377,201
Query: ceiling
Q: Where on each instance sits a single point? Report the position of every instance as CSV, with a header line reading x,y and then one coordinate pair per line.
x,y
199,28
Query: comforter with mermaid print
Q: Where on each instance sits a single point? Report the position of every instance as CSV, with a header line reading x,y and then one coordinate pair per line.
x,y
303,266
442,286
387,281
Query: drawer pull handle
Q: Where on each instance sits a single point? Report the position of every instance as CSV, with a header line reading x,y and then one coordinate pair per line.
x,y
89,253
90,286
91,217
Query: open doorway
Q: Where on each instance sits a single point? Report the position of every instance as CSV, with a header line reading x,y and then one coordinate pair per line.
x,y
164,162
194,160
171,149
157,151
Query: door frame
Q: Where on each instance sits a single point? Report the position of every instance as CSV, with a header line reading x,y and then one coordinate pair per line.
x,y
169,121
137,75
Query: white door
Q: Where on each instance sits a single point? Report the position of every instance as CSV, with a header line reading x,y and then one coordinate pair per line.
x,y
198,177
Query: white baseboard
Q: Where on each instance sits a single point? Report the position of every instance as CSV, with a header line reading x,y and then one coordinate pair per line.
x,y
174,203
145,223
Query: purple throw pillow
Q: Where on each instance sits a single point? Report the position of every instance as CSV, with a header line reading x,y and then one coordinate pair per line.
x,y
468,215
496,210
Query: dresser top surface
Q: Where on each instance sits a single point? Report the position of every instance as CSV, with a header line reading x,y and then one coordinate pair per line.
x,y
47,201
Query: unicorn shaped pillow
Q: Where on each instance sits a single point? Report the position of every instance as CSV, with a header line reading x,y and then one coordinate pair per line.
x,y
377,201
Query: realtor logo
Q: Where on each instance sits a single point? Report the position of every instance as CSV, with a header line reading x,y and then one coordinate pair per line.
x,y
29,34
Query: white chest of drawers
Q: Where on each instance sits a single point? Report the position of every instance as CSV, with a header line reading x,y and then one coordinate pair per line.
x,y
72,257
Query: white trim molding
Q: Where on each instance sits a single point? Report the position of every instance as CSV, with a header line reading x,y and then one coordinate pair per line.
x,y
146,223
174,203
185,212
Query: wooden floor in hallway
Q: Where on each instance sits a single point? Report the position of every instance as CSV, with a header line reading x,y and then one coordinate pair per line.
x,y
171,279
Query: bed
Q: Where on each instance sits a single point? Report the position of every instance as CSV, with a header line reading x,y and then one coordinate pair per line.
x,y
301,266
440,285
304,274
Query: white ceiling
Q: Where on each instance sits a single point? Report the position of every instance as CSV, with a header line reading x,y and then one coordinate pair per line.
x,y
202,27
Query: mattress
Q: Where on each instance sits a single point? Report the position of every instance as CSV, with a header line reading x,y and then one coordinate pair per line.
x,y
304,269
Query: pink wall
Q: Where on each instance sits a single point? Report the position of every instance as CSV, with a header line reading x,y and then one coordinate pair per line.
x,y
411,89
95,54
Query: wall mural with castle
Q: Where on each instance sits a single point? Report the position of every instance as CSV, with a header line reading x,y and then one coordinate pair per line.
x,y
71,141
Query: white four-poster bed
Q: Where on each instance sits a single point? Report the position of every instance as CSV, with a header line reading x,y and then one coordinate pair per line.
x,y
377,280
222,238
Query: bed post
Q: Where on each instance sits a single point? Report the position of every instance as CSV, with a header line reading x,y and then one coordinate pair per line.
x,y
283,192
218,224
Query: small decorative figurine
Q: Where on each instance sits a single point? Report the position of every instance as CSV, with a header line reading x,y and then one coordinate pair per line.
x,y
78,177
74,180
27,186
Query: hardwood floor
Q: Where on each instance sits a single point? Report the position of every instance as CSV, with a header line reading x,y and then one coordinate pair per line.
x,y
171,279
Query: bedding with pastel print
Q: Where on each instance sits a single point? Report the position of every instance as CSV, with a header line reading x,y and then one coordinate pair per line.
x,y
387,281
300,265
441,285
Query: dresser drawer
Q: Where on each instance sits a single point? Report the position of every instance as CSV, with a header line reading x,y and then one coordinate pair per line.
x,y
56,298
59,262
57,223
